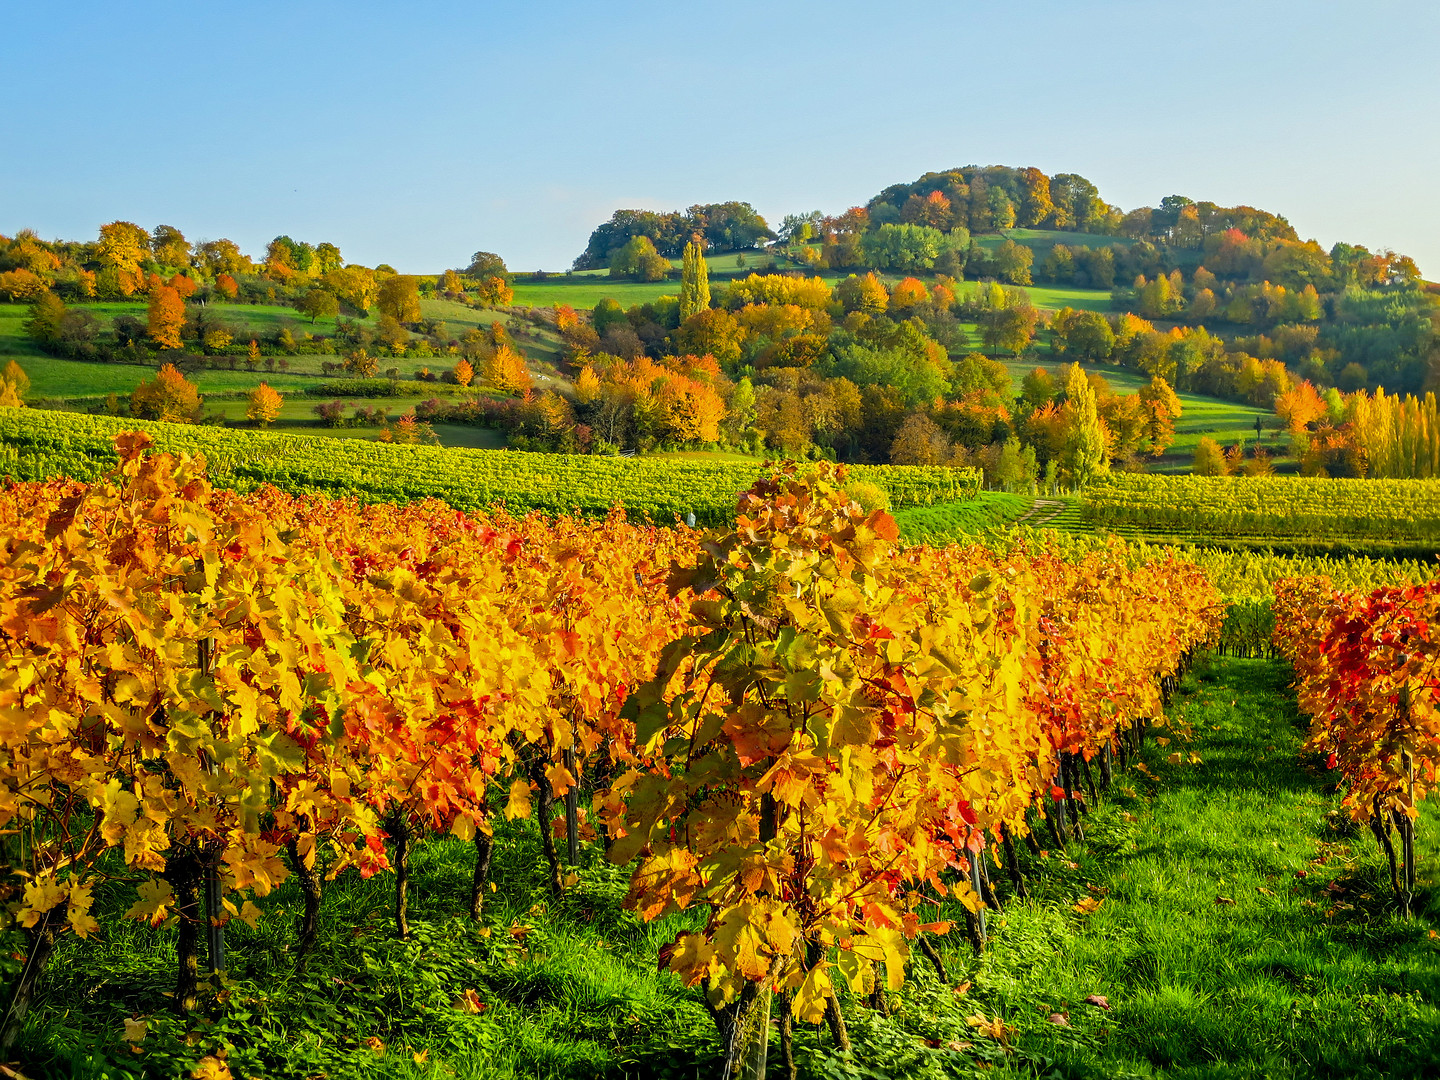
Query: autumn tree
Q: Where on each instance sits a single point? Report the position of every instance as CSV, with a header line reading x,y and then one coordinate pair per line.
x,y
1083,453
169,246
123,246
227,287
169,396
462,372
694,282
165,317
1209,459
505,369
1162,407
399,297
264,405
318,304
919,442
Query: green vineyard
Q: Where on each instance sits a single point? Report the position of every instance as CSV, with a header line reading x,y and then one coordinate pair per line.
x,y
36,445
1311,512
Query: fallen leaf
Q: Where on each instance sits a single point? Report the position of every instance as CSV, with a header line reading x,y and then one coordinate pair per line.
x,y
994,1028
470,1002
1060,1019
1223,900
1098,999
1162,740
135,1030
1301,873
962,988
1087,905
958,1047
376,1046
1263,890
421,1057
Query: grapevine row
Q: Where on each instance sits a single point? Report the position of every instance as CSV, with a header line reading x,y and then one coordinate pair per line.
x,y
813,731
1367,672
38,445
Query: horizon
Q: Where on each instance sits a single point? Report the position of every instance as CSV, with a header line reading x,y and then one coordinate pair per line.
x,y
420,140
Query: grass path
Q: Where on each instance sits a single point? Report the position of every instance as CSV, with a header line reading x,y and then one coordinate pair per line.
x,y
1244,930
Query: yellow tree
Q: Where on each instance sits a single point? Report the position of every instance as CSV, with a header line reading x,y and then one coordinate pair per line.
x,y
123,246
264,405
505,370
169,396
463,372
166,317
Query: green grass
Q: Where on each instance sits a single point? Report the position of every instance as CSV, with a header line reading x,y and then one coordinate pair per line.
x,y
1307,974
948,522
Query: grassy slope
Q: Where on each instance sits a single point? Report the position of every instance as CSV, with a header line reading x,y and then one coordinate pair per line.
x,y
940,524
1307,974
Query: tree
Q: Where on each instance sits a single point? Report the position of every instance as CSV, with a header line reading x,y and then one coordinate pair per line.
x,y
1083,455
463,372
47,314
711,332
1013,262
318,304
1209,459
123,246
485,264
495,291
169,396
902,247
1089,335
1037,389
227,287
1163,406
505,370
866,294
638,259
169,246
264,405
919,442
399,297
165,317
13,385
694,282
1009,329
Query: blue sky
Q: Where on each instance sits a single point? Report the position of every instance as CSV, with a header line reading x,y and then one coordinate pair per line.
x,y
416,133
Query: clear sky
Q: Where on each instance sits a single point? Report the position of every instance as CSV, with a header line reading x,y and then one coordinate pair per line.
x,y
416,133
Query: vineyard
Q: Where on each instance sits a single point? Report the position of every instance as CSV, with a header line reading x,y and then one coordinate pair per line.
x,y
803,736
38,445
1379,516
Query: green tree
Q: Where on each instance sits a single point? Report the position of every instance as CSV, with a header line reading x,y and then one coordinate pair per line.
x,y
1089,335
46,315
318,304
1013,262
638,259
694,282
1082,455
902,247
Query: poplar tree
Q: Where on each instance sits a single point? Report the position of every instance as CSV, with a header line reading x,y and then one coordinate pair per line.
x,y
694,282
1083,457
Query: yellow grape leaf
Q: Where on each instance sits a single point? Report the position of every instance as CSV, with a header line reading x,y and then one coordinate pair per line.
x,y
1087,904
250,914
810,998
1162,740
305,848
41,895
135,1030
519,804
154,902
377,1047
463,827
211,1068
80,919
421,1057
1174,759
